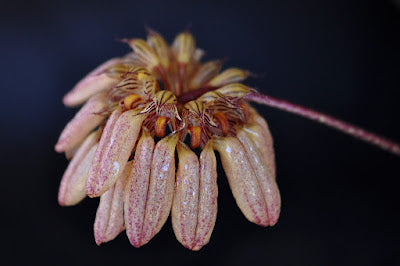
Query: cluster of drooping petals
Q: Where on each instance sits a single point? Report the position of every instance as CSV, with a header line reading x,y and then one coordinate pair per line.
x,y
142,109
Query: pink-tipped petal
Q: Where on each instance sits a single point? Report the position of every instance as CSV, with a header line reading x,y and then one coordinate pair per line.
x,y
242,180
87,119
95,82
103,143
161,188
264,176
136,190
109,220
117,152
260,133
185,205
72,187
208,197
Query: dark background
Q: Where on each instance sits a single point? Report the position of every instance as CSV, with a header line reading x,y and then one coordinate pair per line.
x,y
340,203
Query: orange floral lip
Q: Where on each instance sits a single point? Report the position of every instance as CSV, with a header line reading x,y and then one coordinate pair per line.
x,y
142,109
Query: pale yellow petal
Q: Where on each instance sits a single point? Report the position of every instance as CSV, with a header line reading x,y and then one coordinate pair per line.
x,y
230,75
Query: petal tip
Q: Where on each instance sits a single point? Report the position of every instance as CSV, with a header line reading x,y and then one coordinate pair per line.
x,y
59,147
98,241
61,202
67,101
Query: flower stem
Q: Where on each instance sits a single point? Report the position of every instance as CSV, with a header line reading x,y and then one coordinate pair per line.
x,y
340,125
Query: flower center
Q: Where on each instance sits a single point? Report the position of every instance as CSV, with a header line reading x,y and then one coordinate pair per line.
x,y
199,112
176,92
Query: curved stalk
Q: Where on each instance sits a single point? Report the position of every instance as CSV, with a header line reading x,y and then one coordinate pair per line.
x,y
330,121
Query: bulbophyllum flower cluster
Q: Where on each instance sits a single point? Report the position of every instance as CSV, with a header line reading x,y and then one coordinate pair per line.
x,y
141,109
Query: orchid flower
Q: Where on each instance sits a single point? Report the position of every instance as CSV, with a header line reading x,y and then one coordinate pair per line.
x,y
141,109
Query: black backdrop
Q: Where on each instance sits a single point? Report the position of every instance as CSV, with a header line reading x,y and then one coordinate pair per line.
x,y
339,195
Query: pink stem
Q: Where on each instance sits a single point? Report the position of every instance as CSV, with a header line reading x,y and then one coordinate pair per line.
x,y
340,125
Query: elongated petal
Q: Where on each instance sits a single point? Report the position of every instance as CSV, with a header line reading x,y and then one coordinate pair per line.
x,y
72,187
230,75
84,121
184,46
208,197
109,220
117,152
206,72
235,90
261,135
136,190
161,48
264,176
184,212
161,188
242,180
198,54
145,53
95,82
103,143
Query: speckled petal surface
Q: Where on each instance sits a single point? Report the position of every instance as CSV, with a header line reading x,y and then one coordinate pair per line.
x,y
137,187
120,145
103,143
109,220
72,187
185,205
161,188
264,176
208,197
242,180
